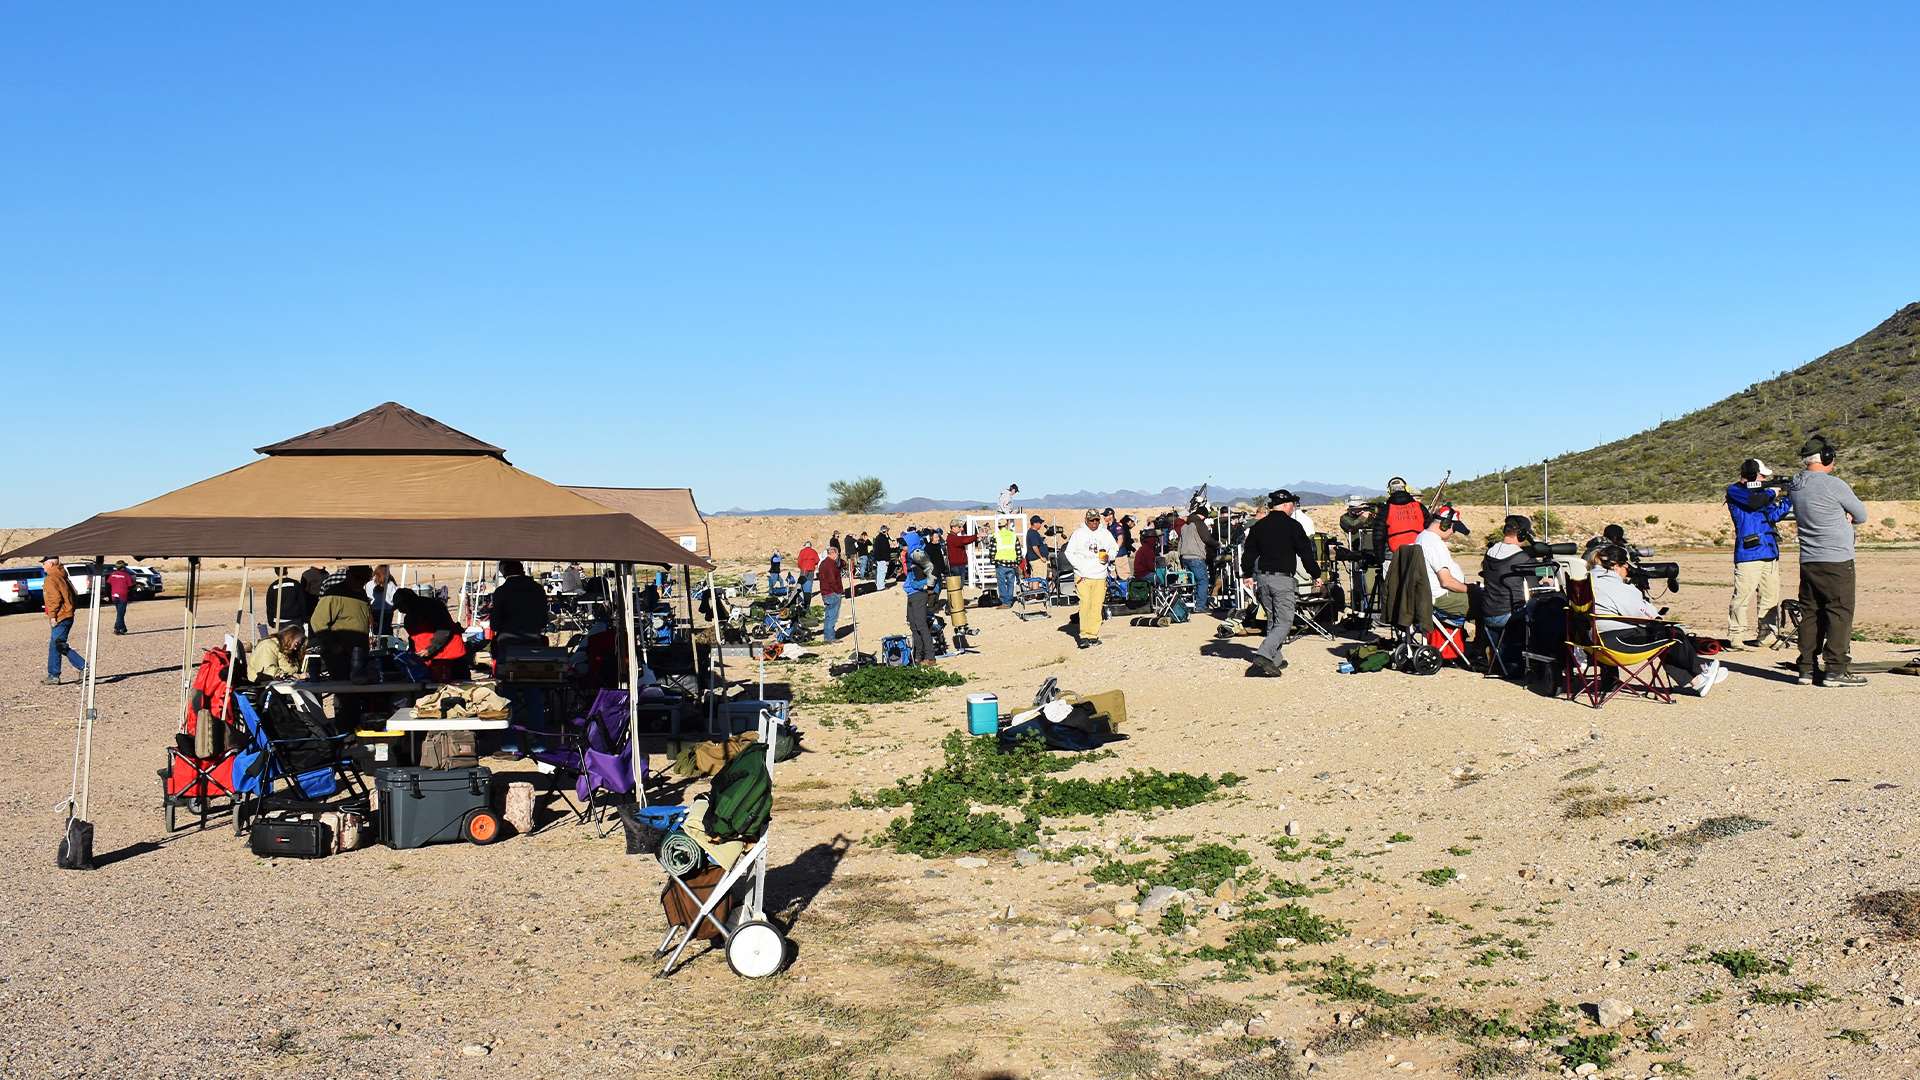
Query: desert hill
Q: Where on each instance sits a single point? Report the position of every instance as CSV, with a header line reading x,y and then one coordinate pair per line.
x,y
1864,395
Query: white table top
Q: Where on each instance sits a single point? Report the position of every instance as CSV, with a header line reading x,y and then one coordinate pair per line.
x,y
451,723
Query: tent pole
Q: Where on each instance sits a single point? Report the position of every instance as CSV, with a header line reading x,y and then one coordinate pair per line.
x,y
87,680
686,583
633,683
233,655
466,574
191,624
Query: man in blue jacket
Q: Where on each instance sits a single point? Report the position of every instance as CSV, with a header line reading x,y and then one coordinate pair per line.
x,y
1756,507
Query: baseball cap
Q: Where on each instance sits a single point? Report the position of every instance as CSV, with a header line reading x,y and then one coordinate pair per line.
x,y
1518,524
1760,468
1445,512
1280,495
1354,502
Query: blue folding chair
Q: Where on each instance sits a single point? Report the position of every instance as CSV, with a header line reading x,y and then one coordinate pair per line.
x,y
288,766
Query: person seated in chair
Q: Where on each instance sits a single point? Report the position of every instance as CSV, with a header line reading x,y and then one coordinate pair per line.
x,y
1444,576
278,655
1502,595
1614,595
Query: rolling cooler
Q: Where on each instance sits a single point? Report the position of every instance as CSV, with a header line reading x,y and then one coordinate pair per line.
x,y
435,806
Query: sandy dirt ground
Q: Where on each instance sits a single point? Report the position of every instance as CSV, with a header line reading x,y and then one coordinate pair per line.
x,y
187,955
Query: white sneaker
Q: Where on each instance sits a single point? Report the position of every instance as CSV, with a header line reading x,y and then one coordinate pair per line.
x,y
1713,676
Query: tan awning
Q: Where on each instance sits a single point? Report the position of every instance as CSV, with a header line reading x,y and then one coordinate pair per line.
x,y
670,510
459,500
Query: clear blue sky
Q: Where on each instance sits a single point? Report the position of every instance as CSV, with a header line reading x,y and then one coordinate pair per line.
x,y
1092,246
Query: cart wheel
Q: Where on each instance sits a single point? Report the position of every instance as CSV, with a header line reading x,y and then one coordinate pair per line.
x,y
481,827
1426,660
756,950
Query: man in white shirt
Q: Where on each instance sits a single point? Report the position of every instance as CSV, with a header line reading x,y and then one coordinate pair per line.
x,y
1089,550
1006,498
1444,576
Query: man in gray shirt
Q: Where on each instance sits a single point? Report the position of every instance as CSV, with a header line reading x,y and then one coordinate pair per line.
x,y
1827,510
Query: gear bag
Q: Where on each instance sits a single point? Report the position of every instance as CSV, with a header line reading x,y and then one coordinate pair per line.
x,y
742,798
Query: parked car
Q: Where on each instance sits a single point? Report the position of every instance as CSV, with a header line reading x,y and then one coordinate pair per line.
x,y
147,582
81,575
20,588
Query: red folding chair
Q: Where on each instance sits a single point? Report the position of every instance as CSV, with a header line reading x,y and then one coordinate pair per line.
x,y
194,783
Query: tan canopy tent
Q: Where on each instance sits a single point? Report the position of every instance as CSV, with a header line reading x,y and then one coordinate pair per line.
x,y
388,483
670,510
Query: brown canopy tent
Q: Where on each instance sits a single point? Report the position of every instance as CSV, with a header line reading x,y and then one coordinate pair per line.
x,y
388,483
670,510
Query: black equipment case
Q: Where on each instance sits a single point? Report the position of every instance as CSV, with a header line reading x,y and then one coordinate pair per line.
x,y
286,838
429,806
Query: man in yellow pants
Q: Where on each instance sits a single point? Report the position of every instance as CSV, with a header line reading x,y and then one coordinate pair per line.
x,y
1089,550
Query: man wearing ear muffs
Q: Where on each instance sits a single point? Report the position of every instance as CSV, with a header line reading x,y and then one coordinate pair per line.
x,y
1827,511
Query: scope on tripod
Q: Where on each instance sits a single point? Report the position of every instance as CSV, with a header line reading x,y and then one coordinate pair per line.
x,y
1643,574
1540,549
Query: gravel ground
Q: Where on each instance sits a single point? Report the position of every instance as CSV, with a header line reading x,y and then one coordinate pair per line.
x,y
190,956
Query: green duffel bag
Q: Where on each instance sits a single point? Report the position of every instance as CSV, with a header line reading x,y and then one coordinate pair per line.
x,y
742,798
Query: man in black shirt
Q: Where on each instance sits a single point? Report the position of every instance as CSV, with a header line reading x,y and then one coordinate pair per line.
x,y
1276,547
882,558
519,603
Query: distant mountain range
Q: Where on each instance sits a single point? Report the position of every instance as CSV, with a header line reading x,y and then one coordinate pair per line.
x,y
1311,492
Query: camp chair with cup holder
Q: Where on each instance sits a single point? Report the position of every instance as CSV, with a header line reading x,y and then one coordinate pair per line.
x,y
1596,671
1787,628
291,755
733,908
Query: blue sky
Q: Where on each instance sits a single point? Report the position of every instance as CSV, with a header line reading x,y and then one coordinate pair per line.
x,y
1095,245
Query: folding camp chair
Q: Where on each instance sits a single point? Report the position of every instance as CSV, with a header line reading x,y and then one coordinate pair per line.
x,y
1597,671
594,753
1315,605
1173,592
194,783
1031,594
286,766
755,946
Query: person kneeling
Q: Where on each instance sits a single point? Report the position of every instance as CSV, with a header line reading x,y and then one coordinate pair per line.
x,y
1613,595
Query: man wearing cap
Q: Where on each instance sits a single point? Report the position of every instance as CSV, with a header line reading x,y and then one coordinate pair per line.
x,y
120,590
1089,550
1276,547
1444,576
1007,493
1756,506
1827,510
1367,542
1503,594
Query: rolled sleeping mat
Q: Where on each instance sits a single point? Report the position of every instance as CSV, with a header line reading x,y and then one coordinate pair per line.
x,y
956,602
680,854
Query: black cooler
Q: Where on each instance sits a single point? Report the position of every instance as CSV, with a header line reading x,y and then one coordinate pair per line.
x,y
434,806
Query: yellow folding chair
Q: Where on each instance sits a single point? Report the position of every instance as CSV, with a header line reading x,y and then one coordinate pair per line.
x,y
1596,671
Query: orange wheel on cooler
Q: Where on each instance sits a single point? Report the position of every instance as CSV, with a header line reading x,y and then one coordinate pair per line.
x,y
482,827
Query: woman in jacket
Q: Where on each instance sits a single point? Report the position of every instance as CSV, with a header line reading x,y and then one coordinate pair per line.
x,y
1614,595
278,656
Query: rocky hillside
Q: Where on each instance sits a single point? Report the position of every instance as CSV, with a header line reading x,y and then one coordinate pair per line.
x,y
1865,396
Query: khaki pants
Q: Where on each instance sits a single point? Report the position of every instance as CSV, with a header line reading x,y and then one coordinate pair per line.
x,y
1761,578
1093,594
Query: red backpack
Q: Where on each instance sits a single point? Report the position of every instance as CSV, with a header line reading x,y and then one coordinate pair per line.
x,y
209,692
1404,522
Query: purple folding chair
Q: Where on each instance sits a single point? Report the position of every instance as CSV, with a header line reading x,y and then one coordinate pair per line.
x,y
593,752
